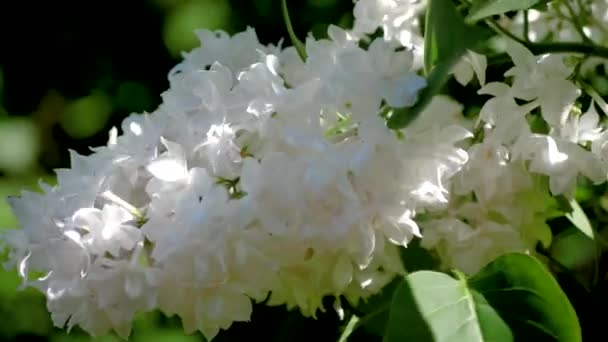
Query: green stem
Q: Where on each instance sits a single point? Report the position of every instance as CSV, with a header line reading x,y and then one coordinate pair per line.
x,y
576,23
526,26
558,47
350,327
501,30
584,10
572,47
593,93
292,35
368,317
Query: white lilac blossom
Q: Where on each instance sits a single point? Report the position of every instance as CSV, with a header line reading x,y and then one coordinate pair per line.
x,y
558,22
240,186
471,64
263,177
398,19
500,198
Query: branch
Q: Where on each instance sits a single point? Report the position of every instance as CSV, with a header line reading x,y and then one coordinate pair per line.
x,y
588,49
572,47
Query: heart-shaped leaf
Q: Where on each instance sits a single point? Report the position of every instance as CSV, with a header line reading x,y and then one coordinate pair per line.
x,y
446,35
528,298
432,306
446,38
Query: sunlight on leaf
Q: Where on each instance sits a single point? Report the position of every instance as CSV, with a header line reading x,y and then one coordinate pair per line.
x,y
579,220
432,306
528,298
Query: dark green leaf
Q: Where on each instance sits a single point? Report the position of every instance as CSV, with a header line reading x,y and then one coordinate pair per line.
x,y
528,298
401,117
584,302
573,249
447,37
432,306
375,309
486,8
417,258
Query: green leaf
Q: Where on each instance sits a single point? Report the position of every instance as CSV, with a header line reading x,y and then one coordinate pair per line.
x,y
401,117
573,249
579,219
486,8
374,310
528,298
447,37
432,306
584,302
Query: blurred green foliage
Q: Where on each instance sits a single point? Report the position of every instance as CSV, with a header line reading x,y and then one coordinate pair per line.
x,y
183,19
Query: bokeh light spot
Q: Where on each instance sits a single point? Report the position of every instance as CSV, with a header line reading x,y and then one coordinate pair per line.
x,y
19,144
86,116
180,23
